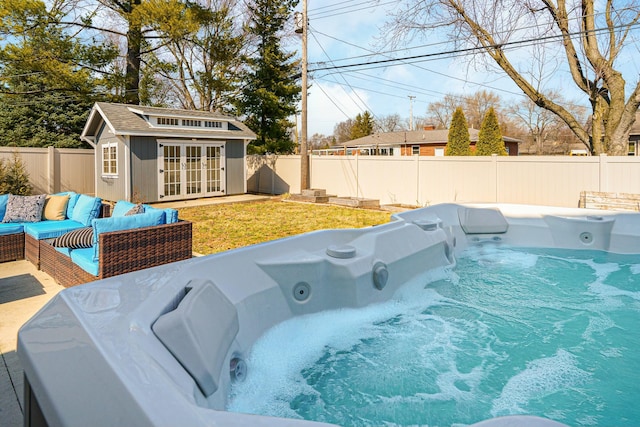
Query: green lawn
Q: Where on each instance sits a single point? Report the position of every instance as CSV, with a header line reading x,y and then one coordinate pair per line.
x,y
217,228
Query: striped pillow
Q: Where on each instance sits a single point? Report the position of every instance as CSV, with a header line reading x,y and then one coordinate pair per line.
x,y
76,239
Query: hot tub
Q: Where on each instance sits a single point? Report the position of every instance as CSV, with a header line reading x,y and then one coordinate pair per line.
x,y
163,346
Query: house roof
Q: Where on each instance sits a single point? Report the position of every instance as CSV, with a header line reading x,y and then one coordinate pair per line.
x,y
134,120
438,136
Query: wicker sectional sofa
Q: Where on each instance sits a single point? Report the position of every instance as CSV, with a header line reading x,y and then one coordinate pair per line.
x,y
120,244
20,240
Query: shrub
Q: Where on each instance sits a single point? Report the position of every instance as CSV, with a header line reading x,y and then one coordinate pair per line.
x,y
458,140
490,138
14,179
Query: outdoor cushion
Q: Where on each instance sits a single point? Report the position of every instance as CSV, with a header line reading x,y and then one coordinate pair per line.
x,y
7,228
73,198
121,208
65,251
171,215
83,258
24,208
75,239
55,208
86,209
4,198
50,229
104,225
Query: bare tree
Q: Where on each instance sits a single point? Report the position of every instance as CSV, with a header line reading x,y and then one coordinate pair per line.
x,y
342,131
389,123
318,140
590,40
441,112
543,127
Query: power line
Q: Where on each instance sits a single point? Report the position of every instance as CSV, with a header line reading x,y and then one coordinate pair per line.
x,y
428,69
345,80
351,8
456,52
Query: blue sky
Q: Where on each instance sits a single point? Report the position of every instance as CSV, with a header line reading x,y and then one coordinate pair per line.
x,y
347,31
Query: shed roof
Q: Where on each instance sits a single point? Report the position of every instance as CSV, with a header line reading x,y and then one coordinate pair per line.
x,y
133,120
437,136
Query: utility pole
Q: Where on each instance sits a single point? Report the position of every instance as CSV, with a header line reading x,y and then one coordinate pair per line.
x,y
302,27
411,98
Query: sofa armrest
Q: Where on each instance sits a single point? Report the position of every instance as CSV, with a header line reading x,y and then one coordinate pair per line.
x,y
130,250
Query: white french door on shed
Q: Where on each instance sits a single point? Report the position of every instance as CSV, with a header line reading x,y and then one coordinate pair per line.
x,y
190,170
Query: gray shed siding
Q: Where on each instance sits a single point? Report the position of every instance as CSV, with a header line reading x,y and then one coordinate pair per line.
x,y
234,169
108,187
144,169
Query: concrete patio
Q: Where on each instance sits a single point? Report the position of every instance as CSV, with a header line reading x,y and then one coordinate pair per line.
x,y
23,291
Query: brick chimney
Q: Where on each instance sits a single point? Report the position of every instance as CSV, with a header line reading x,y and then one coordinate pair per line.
x,y
429,127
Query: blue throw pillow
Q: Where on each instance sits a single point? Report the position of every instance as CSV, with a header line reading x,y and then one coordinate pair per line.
x,y
171,215
121,208
4,198
104,225
86,209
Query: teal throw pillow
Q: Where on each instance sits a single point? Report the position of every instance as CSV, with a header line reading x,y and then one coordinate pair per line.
x,y
86,209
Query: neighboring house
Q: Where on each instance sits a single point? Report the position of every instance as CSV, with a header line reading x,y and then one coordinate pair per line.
x,y
425,142
150,154
634,138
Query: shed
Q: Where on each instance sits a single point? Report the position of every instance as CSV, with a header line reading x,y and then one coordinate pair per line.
x,y
150,154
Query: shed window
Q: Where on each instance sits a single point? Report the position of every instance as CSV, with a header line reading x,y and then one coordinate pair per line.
x,y
110,159
211,124
415,150
190,122
167,121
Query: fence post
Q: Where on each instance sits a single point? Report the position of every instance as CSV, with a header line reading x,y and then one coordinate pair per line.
x,y
603,180
51,169
494,160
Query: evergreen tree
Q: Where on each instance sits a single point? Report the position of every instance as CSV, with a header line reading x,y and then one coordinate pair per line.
x,y
458,140
14,178
490,138
362,126
49,78
271,93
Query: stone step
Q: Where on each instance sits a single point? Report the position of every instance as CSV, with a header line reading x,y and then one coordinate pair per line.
x,y
355,202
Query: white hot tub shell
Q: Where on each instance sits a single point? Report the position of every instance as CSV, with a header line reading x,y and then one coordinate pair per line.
x,y
160,347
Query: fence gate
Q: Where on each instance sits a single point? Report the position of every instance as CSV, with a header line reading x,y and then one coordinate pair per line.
x,y
190,170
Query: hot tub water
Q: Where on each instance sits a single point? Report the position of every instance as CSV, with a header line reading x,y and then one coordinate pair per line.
x,y
508,331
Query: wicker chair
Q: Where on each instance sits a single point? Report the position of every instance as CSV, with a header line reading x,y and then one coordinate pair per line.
x,y
32,245
122,252
11,247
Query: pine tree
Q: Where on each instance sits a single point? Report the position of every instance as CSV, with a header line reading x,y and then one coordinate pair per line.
x,y
271,93
362,126
14,178
458,140
490,138
49,77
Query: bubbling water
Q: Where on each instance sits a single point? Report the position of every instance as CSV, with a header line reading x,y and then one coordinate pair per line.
x,y
508,331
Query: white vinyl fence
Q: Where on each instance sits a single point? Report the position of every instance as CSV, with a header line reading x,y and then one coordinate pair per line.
x,y
421,181
52,170
403,180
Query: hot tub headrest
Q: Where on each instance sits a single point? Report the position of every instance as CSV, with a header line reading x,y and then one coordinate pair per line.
x,y
482,220
199,332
